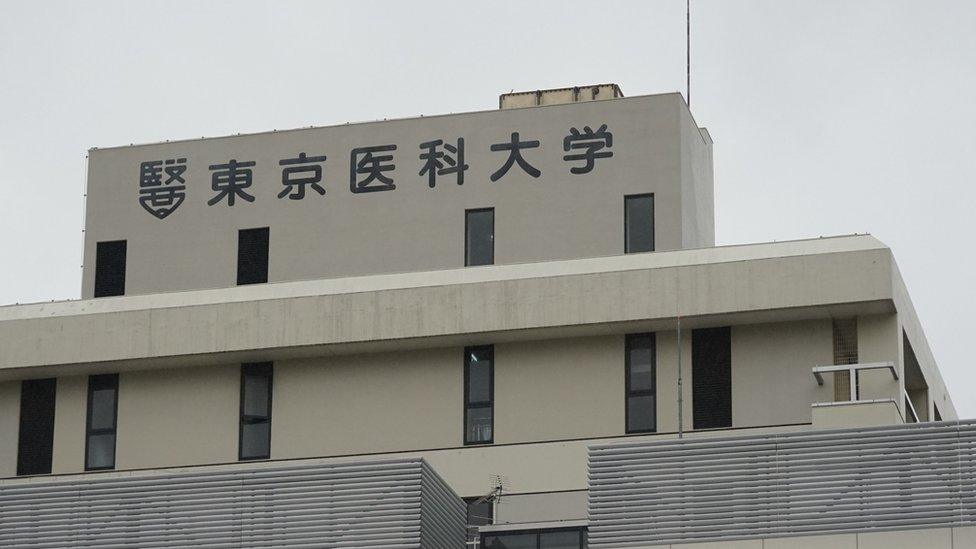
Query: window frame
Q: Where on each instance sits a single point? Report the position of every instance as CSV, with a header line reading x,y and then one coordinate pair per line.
x,y
114,431
628,392
467,228
254,369
490,403
537,532
627,223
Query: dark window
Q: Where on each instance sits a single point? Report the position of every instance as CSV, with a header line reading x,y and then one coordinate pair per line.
x,y
252,256
255,433
110,268
35,442
479,237
479,394
641,390
711,377
103,408
938,416
639,223
562,538
480,513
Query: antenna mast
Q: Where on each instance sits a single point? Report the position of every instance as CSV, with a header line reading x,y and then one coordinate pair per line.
x,y
688,51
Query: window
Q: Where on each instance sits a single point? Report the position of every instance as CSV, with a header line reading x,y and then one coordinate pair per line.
x,y
479,237
110,268
562,538
481,512
255,431
35,442
479,394
103,408
711,377
252,256
641,362
639,223
938,416
845,352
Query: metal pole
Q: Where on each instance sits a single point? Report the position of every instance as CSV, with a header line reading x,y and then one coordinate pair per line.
x,y
688,50
681,431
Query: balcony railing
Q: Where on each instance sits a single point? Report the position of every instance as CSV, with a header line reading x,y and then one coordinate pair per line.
x,y
853,369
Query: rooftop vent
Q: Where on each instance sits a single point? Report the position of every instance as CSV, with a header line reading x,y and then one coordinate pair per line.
x,y
558,96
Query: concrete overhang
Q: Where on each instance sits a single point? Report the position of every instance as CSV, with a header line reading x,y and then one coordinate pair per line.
x,y
711,286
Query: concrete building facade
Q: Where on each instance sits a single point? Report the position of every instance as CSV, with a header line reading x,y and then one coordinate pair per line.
x,y
493,293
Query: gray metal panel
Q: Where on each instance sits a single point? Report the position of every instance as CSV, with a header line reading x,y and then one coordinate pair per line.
x,y
853,480
362,504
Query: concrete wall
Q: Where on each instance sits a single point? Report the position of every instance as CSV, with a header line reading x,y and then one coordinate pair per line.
x,y
772,382
558,215
186,416
567,389
70,408
873,413
367,403
9,427
559,389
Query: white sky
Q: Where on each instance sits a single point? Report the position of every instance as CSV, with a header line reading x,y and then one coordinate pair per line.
x,y
829,117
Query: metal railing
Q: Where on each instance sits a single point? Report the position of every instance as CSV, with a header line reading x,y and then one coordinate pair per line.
x,y
853,369
920,475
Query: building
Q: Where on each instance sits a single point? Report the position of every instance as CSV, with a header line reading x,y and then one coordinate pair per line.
x,y
479,306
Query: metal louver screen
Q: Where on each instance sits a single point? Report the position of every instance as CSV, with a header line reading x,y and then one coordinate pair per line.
x,y
35,444
110,268
385,504
920,475
711,377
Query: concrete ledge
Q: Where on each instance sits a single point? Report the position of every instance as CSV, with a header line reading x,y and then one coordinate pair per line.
x,y
737,284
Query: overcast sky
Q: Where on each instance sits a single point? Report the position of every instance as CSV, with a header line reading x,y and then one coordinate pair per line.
x,y
829,117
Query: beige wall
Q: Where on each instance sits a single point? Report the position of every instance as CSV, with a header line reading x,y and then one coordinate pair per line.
x,y
186,416
367,403
559,389
569,389
772,379
70,407
879,340
558,215
857,414
9,427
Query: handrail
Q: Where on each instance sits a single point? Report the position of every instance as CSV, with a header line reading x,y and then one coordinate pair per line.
x,y
909,406
818,372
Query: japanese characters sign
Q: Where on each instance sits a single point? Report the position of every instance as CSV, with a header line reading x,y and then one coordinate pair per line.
x,y
309,174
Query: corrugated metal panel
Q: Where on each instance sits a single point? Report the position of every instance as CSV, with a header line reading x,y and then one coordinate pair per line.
x,y
388,504
820,482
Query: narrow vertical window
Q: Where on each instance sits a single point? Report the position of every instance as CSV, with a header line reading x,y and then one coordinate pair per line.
x,y
845,352
35,442
479,237
479,394
103,406
711,377
252,256
255,430
938,416
110,268
641,389
639,223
